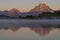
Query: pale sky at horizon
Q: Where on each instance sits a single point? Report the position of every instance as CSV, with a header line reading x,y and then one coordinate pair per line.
x,y
26,5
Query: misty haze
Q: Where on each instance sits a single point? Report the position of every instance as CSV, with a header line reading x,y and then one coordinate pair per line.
x,y
29,19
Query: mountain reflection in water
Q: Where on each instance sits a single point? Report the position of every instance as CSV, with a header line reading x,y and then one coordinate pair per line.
x,y
41,30
38,26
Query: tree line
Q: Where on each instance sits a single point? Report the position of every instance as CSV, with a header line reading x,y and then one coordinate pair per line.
x,y
44,15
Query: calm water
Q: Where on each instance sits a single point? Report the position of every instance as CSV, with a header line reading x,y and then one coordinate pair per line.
x,y
29,29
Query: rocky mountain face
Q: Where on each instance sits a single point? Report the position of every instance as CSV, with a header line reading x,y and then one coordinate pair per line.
x,y
41,8
14,12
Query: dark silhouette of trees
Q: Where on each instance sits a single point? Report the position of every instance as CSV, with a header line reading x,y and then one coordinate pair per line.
x,y
4,17
20,17
29,16
44,15
56,14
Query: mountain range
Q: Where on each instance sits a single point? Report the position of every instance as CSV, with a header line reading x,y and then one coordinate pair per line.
x,y
34,12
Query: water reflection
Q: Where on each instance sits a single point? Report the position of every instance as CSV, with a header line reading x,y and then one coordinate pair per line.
x,y
29,30
41,30
39,27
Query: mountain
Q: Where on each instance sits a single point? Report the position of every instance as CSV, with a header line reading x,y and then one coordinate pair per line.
x,y
5,12
41,8
14,12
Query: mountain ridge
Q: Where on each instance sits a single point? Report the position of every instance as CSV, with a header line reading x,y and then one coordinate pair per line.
x,y
41,8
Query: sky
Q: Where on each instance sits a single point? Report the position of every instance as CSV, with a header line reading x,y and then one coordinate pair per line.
x,y
26,5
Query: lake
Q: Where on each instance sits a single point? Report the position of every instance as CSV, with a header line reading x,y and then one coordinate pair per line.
x,y
28,29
